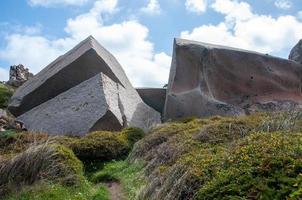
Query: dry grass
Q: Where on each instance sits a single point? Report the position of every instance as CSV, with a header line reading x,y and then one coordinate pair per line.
x,y
38,163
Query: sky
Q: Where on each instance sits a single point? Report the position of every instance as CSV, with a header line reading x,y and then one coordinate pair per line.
x,y
140,33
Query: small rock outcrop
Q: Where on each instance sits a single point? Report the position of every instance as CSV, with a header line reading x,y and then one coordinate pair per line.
x,y
84,90
207,80
18,75
296,53
154,97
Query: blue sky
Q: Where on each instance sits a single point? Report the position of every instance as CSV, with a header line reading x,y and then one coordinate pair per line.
x,y
140,32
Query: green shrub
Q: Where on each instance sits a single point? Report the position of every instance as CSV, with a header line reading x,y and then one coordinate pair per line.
x,y
100,146
54,163
222,130
132,135
5,95
262,166
223,158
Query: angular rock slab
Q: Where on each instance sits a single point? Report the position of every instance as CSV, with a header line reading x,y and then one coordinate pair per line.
x,y
79,64
98,103
208,80
296,53
153,97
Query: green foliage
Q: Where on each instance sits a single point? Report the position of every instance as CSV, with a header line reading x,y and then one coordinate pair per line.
x,y
8,133
102,146
123,172
46,191
262,166
5,94
53,163
226,129
223,158
132,135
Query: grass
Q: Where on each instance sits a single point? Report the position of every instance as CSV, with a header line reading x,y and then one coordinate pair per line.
x,y
48,162
46,191
28,159
5,94
251,157
128,175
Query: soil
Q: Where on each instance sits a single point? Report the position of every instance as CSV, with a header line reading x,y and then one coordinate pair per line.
x,y
115,191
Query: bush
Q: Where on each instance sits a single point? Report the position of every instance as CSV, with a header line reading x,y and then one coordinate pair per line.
x,y
5,95
12,143
262,166
54,163
223,130
132,135
223,158
100,146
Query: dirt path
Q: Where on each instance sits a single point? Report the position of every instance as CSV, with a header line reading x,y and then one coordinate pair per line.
x,y
115,191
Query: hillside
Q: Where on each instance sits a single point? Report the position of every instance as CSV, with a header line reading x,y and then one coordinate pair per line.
x,y
252,157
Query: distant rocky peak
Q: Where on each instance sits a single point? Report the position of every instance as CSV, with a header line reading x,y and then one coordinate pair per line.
x,y
18,75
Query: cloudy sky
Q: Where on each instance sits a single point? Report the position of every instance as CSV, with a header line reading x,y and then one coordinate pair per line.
x,y
140,32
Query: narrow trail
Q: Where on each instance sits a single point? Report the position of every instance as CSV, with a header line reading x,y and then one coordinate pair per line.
x,y
115,191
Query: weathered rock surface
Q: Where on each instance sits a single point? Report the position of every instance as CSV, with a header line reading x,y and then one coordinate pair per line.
x,y
98,103
79,64
296,53
18,75
208,80
84,90
154,97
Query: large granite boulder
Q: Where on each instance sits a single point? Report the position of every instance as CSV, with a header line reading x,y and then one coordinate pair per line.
x,y
296,53
79,64
208,80
18,75
98,103
154,97
84,90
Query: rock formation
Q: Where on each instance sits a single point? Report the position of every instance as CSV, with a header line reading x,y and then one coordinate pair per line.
x,y
208,80
98,103
84,90
296,53
154,97
18,75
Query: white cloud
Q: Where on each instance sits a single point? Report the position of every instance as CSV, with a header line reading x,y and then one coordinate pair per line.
x,y
127,40
32,51
3,74
233,10
244,29
153,8
283,4
49,3
197,6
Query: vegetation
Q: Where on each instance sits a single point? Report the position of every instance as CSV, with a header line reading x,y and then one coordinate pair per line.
x,y
55,163
251,157
45,167
46,191
123,172
106,146
5,94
